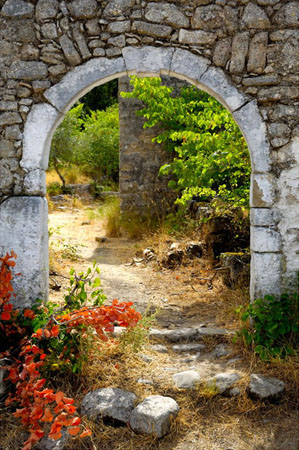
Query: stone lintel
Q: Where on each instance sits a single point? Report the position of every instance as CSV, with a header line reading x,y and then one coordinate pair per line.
x,y
148,61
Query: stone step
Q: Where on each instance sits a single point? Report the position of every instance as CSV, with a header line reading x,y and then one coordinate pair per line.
x,y
187,334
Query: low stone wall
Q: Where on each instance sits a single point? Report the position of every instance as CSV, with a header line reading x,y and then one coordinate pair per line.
x,y
243,52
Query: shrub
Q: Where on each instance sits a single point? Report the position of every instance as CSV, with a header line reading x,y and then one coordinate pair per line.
x,y
50,337
274,327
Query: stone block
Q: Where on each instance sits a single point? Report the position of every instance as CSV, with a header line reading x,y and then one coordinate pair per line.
x,y
265,274
166,13
147,60
69,50
255,17
153,415
6,148
254,131
24,229
288,15
49,30
257,53
17,9
263,240
222,52
196,37
262,193
186,64
217,84
10,118
13,132
118,7
82,79
46,9
80,40
39,128
28,70
150,29
239,52
35,183
208,17
83,10
117,41
263,217
262,80
119,27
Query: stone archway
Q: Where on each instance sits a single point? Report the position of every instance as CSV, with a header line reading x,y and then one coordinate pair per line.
x,y
27,216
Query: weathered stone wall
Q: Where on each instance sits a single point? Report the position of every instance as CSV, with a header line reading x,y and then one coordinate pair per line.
x,y
243,52
142,190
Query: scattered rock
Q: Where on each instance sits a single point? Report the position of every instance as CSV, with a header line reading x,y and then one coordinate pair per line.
x,y
153,415
265,388
145,381
112,403
145,358
173,258
159,348
49,444
221,350
149,254
210,331
187,379
222,382
234,392
194,249
193,347
100,239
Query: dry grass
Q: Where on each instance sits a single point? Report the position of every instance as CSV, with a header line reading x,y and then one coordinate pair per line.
x,y
72,175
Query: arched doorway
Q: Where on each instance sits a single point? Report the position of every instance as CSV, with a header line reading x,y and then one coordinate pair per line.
x,y
145,61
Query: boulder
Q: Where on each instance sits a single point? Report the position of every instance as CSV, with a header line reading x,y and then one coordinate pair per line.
x,y
153,415
265,388
187,379
111,403
222,382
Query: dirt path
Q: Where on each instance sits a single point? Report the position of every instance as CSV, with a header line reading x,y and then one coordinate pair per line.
x,y
236,423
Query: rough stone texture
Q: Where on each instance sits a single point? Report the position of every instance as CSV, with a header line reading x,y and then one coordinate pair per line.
x,y
257,53
222,382
112,403
256,44
188,379
153,415
239,52
255,17
17,9
50,444
184,348
166,12
26,217
265,388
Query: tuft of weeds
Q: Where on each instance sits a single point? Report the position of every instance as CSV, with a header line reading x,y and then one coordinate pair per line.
x,y
110,211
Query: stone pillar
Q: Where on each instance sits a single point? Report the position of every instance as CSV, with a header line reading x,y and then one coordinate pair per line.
x,y
24,229
142,190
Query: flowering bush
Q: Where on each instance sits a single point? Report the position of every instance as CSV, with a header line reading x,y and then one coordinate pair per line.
x,y
46,336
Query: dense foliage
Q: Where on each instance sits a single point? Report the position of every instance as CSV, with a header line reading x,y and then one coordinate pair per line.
x,y
210,155
50,337
88,141
274,327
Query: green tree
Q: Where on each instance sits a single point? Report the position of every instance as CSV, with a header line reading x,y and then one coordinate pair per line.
x,y
210,154
64,141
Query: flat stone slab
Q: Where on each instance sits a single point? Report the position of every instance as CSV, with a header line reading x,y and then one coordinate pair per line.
x,y
222,382
159,348
265,388
186,348
187,334
153,415
187,379
182,334
112,403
